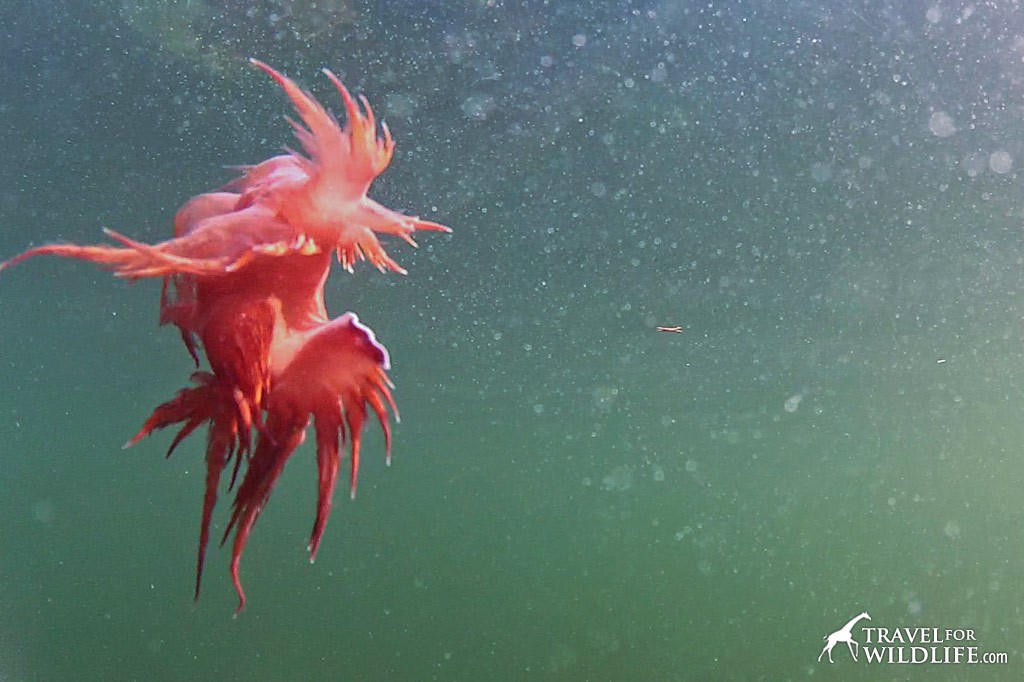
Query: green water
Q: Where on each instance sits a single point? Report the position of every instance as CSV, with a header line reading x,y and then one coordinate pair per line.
x,y
827,200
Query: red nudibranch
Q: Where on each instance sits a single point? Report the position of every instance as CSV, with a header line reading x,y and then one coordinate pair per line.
x,y
243,277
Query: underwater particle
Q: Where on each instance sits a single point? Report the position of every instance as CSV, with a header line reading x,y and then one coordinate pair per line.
x,y
658,474
1000,161
43,511
973,165
620,479
934,14
400,105
952,530
792,402
691,466
941,124
604,397
579,40
479,107
562,657
598,189
821,171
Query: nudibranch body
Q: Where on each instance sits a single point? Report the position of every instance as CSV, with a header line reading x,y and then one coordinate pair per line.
x,y
244,275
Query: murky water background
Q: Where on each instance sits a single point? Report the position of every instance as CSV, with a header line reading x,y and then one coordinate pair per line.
x,y
828,200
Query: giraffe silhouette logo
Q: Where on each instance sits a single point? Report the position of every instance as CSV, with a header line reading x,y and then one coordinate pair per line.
x,y
843,634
